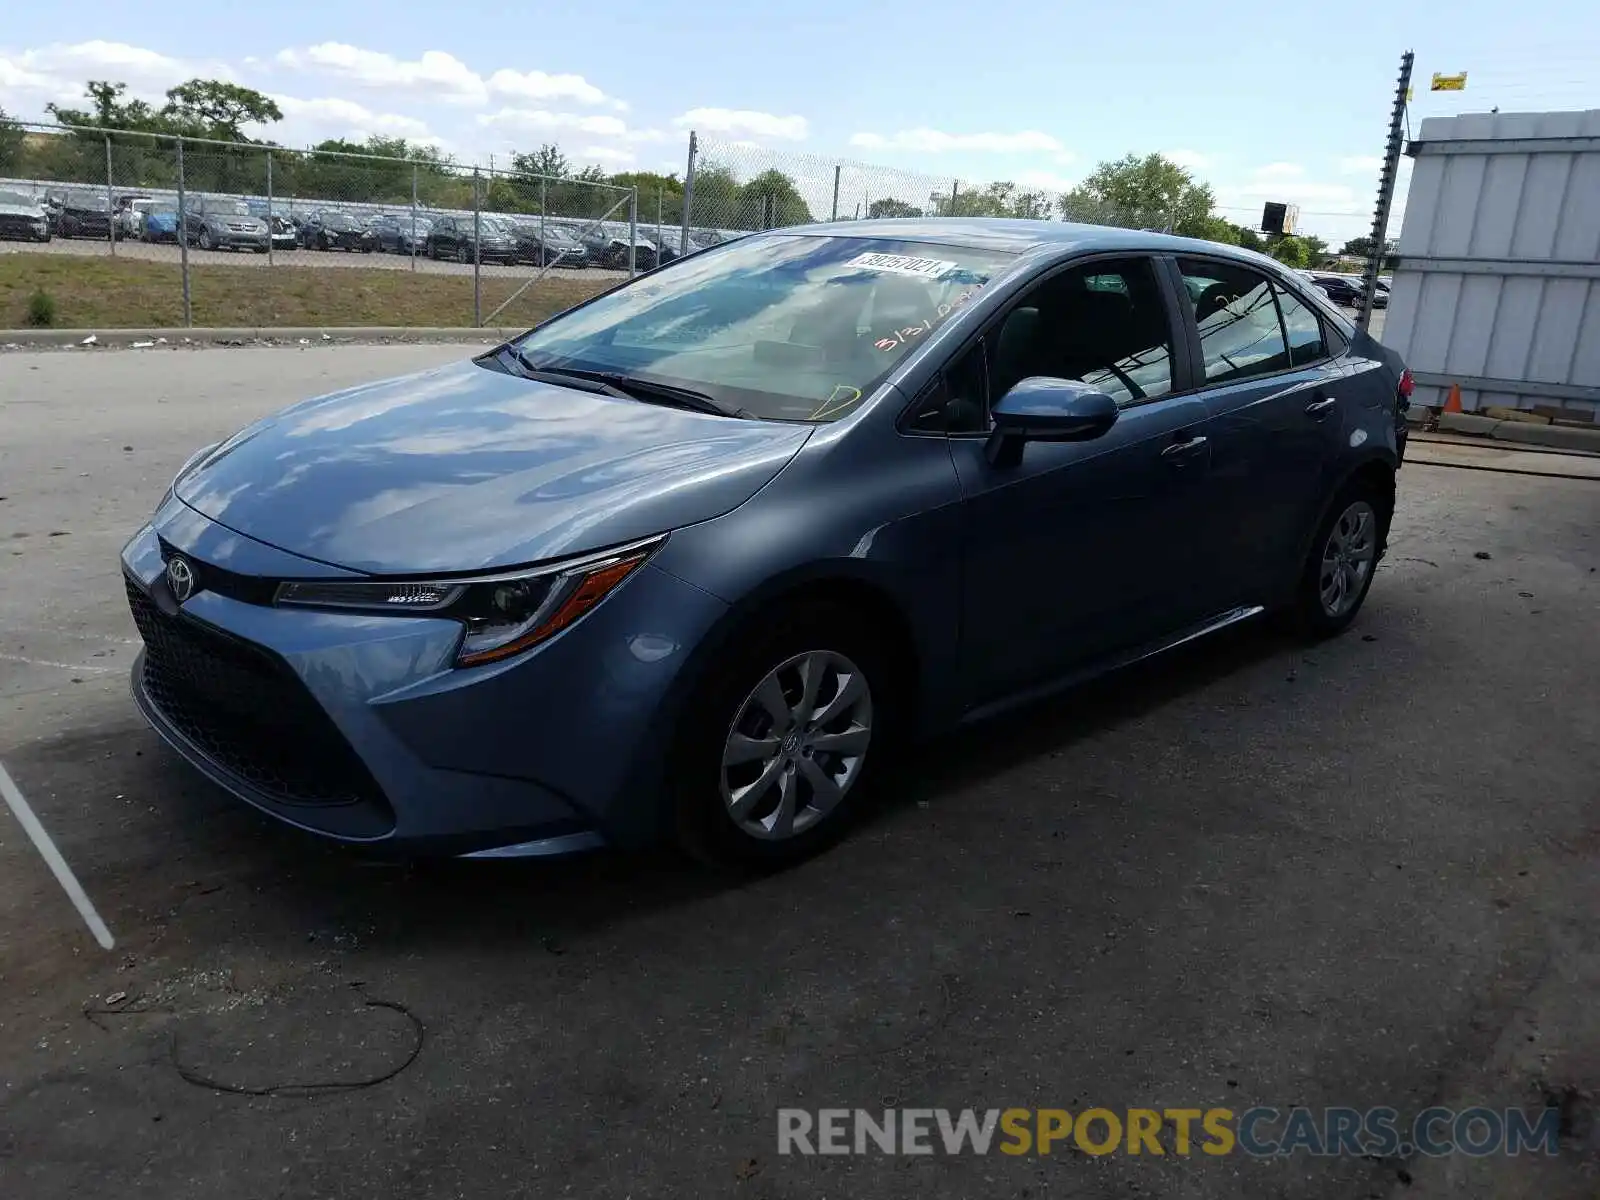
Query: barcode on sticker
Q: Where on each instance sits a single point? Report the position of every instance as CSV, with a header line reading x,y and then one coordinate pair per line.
x,y
901,264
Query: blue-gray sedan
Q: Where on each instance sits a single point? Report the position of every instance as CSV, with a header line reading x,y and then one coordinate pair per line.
x,y
691,559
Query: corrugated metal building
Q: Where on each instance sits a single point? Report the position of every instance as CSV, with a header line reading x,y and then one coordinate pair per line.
x,y
1497,288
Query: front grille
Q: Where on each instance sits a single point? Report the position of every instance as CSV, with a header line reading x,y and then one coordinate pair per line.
x,y
247,712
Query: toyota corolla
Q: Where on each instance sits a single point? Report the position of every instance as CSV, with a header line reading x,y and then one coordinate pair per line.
x,y
691,560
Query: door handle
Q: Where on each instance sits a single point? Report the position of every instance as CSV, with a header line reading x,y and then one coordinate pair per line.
x,y
1318,409
1181,452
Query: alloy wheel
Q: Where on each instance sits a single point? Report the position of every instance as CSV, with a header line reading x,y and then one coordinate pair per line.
x,y
797,745
1348,557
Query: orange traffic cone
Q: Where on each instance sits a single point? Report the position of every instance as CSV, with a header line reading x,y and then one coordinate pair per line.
x,y
1453,401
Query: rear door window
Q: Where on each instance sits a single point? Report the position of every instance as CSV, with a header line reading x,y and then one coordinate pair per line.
x,y
1237,317
1307,341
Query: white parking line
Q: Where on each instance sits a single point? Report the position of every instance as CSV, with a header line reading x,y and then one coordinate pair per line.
x,y
60,666
52,859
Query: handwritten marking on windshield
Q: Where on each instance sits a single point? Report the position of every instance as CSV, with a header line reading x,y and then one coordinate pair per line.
x,y
836,402
901,336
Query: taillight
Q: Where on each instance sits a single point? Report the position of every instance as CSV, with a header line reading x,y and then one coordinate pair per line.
x,y
1407,384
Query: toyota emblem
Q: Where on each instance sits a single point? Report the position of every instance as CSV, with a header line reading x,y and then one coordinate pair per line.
x,y
180,578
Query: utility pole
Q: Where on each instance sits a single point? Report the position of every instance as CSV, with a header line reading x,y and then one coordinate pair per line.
x,y
1386,182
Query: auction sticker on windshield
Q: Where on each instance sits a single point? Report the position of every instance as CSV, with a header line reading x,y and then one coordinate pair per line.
x,y
901,264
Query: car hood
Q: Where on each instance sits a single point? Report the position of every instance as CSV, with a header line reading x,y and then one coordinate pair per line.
x,y
32,211
466,469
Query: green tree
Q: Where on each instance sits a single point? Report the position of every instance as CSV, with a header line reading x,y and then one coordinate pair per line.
x,y
1358,247
547,160
717,199
1149,192
1316,250
890,207
13,140
1290,251
999,199
658,194
213,108
775,200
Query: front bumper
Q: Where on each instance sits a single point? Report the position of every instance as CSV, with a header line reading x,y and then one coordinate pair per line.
x,y
230,239
359,729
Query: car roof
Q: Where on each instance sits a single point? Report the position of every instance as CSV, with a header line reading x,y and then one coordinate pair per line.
x,y
1049,238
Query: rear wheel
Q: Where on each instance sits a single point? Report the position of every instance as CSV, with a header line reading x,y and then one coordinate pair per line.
x,y
777,743
205,239
462,256
1344,556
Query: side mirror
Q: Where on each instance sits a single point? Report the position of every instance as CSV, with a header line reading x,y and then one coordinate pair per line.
x,y
1041,409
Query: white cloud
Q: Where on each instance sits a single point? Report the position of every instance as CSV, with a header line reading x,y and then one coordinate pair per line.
x,y
744,121
1047,181
606,155
536,85
439,75
1192,159
314,120
1360,164
1280,170
443,76
539,119
935,141
57,72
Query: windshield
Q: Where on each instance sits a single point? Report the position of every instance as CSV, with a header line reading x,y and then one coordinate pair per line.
x,y
89,200
338,221
787,327
16,198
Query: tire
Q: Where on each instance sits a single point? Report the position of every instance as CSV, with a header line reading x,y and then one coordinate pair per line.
x,y
706,791
1342,561
462,256
260,249
205,239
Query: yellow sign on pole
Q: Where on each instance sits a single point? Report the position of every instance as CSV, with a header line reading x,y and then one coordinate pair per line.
x,y
1449,83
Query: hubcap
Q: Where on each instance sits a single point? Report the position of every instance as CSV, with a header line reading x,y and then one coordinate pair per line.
x,y
1347,558
797,745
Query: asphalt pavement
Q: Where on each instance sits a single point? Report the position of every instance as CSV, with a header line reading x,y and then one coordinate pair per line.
x,y
1256,872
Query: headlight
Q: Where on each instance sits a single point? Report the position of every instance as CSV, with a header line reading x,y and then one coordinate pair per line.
x,y
503,614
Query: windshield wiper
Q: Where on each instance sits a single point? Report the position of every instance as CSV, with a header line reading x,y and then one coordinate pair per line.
x,y
614,383
528,370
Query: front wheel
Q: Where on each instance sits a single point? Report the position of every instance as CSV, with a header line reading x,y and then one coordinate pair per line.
x,y
774,748
1344,556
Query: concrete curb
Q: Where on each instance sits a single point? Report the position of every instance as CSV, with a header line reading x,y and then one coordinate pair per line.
x,y
38,338
1562,437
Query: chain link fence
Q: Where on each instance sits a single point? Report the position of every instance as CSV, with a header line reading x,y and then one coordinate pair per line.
x,y
736,186
209,233
239,234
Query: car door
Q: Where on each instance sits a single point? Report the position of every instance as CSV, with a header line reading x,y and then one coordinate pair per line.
x,y
1081,549
1268,372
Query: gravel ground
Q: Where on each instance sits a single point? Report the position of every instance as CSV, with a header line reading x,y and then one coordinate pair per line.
x,y
1361,874
167,253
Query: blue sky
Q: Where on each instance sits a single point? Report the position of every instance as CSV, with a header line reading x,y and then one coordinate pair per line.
x,y
1262,100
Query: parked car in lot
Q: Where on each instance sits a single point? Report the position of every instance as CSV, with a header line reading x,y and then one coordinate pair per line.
x,y
160,223
393,231
330,229
610,250
84,214
219,223
130,214
641,574
1341,289
453,238
280,226
23,218
551,247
